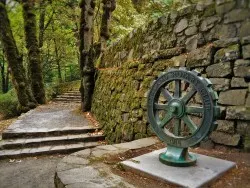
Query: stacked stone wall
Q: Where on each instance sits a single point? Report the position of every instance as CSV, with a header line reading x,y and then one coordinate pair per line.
x,y
212,37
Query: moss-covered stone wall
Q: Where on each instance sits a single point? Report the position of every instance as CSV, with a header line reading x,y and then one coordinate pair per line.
x,y
210,36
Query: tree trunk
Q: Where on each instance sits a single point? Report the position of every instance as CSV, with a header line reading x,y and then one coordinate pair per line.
x,y
86,53
34,59
20,82
59,71
6,88
41,23
108,7
4,75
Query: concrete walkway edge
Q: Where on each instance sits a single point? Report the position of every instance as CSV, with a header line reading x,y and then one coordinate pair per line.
x,y
78,170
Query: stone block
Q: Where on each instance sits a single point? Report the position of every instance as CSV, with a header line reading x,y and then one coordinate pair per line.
x,y
140,127
220,84
219,2
127,132
248,100
238,112
219,70
224,8
244,29
233,97
164,19
184,10
209,23
208,144
200,175
191,43
246,51
227,54
200,57
225,31
179,27
223,43
238,82
179,61
140,135
225,126
245,40
243,128
202,5
247,143
236,15
241,68
125,117
209,11
169,53
226,139
191,30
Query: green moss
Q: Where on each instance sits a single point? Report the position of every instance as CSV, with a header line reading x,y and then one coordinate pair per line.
x,y
210,10
140,135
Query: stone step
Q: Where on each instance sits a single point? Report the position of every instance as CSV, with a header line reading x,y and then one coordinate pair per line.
x,y
45,132
70,99
69,96
72,94
67,100
46,150
42,141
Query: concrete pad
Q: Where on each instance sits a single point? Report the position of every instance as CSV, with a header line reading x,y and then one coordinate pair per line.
x,y
206,169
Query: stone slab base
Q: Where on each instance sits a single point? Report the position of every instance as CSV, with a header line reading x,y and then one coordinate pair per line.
x,y
205,171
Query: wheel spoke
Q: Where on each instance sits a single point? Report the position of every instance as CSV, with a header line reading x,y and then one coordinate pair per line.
x,y
166,119
160,106
177,127
177,92
188,96
194,109
166,94
189,123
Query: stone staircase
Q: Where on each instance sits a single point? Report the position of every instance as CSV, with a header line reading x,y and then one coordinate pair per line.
x,y
36,142
50,129
70,96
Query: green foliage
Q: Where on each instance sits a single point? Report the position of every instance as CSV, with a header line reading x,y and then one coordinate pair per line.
x,y
8,104
125,18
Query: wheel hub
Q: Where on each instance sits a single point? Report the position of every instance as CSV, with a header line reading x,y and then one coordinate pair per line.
x,y
177,108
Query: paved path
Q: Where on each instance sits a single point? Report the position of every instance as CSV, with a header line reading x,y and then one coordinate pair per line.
x,y
51,116
49,129
28,173
54,127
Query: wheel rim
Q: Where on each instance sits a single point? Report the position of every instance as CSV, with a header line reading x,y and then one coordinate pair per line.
x,y
170,113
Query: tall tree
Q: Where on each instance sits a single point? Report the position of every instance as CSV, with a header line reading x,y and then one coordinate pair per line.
x,y
87,49
108,7
86,53
19,79
4,74
34,59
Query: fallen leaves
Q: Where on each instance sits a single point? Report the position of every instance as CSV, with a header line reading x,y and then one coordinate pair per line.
x,y
89,116
15,161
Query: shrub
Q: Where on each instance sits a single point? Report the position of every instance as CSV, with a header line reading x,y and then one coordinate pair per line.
x,y
8,104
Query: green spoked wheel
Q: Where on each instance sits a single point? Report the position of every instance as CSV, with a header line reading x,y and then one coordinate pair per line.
x,y
182,108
